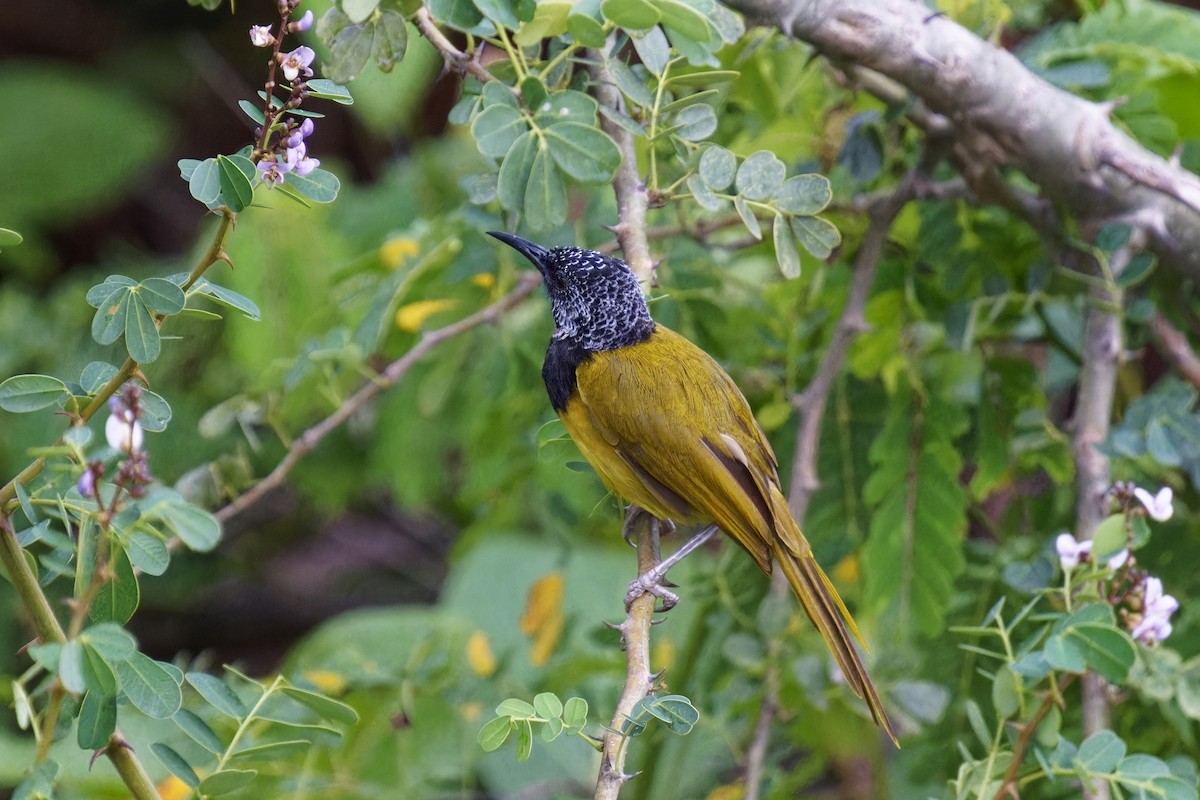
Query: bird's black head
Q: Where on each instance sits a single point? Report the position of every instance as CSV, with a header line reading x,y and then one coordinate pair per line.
x,y
596,299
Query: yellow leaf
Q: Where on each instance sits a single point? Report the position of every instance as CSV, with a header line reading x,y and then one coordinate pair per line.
x,y
395,252
327,681
410,317
846,571
730,791
480,655
543,617
174,789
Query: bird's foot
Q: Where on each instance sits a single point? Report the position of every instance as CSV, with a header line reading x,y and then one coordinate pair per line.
x,y
651,582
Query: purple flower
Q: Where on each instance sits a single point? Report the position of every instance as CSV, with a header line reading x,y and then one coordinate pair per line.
x,y
296,63
298,160
1157,609
300,133
87,483
272,171
1071,552
260,36
304,23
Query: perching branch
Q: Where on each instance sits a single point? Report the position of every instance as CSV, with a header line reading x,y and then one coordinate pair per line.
x,y
455,59
1097,384
1004,115
308,441
630,190
1177,349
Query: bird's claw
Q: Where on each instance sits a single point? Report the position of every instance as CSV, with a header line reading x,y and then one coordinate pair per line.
x,y
651,583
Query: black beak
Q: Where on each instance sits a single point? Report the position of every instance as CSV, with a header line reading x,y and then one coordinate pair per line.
x,y
537,254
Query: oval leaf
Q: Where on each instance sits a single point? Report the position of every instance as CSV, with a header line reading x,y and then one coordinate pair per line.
x,y
583,152
22,393
149,686
227,780
760,175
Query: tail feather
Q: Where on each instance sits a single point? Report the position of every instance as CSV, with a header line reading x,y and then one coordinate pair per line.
x,y
827,612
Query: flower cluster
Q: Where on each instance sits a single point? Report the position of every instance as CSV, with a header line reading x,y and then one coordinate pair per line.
x,y
282,149
124,434
1145,610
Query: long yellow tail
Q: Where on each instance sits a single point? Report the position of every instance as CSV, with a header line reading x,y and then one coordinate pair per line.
x,y
792,554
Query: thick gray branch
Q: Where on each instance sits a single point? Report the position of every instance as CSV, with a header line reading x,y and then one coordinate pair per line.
x,y
1003,114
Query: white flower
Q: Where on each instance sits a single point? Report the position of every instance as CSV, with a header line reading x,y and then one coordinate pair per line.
x,y
297,61
260,36
1157,609
123,431
1157,506
1071,552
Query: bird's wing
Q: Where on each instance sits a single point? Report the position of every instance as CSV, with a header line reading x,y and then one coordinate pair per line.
x,y
673,416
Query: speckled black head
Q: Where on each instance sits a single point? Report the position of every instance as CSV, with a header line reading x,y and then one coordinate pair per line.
x,y
596,300
597,306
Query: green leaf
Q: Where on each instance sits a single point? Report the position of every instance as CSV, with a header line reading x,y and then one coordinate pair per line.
x,y
147,552
320,186
96,375
10,238
803,194
150,686
236,174
391,40
141,335
913,552
227,780
1109,538
567,106
71,666
717,167
683,18
358,10
22,393
175,764
703,195
1005,697
195,527
161,295
552,729
696,123
748,219
110,640
97,720
653,49
39,784
547,705
349,50
817,235
975,718
495,733
585,29
760,175
109,322
326,708
675,710
271,751
1139,768
329,90
250,110
583,152
785,248
497,128
1101,752
499,11
575,712
205,182
635,15
199,731
630,84
524,740
514,172
515,707
119,597
156,412
545,196
217,694
226,297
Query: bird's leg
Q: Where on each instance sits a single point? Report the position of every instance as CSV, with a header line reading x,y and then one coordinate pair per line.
x,y
652,580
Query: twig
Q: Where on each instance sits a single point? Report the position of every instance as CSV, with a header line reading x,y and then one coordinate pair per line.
x,y
632,202
1176,348
1052,699
1097,385
394,371
455,58
635,635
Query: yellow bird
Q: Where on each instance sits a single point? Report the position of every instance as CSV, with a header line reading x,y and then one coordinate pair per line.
x,y
668,430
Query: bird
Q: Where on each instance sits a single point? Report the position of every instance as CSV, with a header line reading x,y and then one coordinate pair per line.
x,y
668,430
